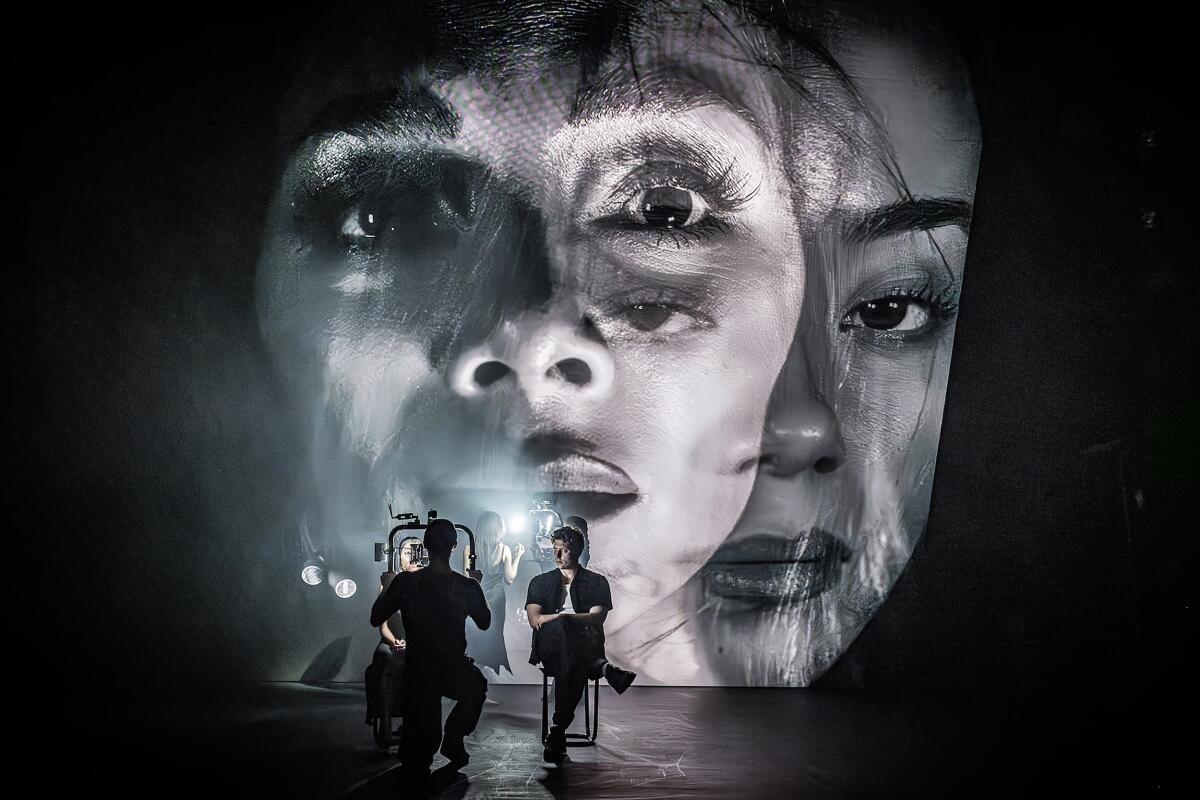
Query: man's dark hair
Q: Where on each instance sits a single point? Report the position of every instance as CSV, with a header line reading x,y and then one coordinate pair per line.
x,y
572,538
440,537
578,523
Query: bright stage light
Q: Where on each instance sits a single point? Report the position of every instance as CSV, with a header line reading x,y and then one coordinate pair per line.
x,y
516,523
345,588
311,574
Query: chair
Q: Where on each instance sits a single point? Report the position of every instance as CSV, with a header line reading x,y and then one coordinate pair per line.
x,y
591,715
383,703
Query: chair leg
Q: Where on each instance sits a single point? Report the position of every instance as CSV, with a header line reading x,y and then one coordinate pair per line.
x,y
545,700
595,721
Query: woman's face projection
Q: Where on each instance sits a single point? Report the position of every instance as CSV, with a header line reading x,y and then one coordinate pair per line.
x,y
576,273
817,550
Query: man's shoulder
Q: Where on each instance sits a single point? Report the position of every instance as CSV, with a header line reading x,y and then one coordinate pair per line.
x,y
542,577
549,579
463,580
591,577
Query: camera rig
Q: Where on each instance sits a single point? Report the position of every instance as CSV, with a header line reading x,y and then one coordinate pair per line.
x,y
412,522
543,521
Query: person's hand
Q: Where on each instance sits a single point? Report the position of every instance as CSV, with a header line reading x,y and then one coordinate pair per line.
x,y
399,645
519,551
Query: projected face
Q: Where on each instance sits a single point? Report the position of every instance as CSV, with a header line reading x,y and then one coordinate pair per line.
x,y
559,279
821,543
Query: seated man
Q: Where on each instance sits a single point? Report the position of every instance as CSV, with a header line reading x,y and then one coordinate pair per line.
x,y
567,607
434,604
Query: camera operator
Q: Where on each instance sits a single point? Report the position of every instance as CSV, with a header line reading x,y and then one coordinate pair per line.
x,y
434,604
569,640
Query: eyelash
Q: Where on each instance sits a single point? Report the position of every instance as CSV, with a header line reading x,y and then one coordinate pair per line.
x,y
722,193
681,238
940,299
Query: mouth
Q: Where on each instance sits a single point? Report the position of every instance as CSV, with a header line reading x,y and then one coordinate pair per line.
x,y
577,484
774,570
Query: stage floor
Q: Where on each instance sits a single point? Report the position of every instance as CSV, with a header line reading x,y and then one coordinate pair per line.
x,y
290,739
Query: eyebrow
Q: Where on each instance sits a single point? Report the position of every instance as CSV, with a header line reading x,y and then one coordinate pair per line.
x,y
906,216
663,86
387,113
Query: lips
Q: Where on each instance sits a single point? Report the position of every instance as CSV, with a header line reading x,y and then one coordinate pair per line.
x,y
578,484
579,473
767,568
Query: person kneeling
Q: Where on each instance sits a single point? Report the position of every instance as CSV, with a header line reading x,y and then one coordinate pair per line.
x,y
567,607
434,604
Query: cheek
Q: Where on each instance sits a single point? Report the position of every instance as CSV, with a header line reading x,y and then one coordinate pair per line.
x,y
885,400
369,381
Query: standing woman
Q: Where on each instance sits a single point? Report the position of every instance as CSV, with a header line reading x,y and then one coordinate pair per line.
x,y
498,563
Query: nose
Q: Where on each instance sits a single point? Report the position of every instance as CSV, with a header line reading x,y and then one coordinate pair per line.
x,y
544,357
800,434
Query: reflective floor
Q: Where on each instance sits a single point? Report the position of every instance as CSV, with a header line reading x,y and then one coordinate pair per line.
x,y
288,739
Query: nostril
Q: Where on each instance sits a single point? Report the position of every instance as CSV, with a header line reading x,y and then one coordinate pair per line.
x,y
825,464
572,370
489,372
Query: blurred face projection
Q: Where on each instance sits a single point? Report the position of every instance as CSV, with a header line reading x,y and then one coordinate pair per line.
x,y
586,252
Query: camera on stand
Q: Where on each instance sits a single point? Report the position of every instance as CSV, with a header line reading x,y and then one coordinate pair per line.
x,y
408,521
543,521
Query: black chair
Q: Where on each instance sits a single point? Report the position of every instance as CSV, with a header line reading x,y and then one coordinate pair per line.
x,y
591,715
383,705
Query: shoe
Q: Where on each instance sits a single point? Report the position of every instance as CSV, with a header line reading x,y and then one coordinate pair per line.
x,y
552,755
414,781
458,755
618,678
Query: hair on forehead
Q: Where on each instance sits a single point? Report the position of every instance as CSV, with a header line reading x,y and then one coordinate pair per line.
x,y
382,60
571,537
388,49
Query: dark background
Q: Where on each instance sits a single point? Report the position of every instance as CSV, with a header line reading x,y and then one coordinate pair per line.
x,y
151,460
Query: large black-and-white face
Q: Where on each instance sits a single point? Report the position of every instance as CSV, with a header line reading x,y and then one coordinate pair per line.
x,y
554,279
817,550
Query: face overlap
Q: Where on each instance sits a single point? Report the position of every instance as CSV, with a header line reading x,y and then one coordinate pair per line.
x,y
545,280
820,545
555,278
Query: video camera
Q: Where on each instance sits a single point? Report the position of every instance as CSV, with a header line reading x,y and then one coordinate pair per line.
x,y
543,521
390,552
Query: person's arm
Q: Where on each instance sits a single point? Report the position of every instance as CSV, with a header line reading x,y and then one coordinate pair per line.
x,y
386,604
601,598
510,561
479,612
536,618
595,616
390,638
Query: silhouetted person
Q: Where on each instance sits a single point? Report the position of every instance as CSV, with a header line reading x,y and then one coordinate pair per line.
x,y
569,640
385,676
580,524
434,604
498,564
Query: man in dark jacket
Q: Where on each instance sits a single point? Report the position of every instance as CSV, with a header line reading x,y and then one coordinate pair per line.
x,y
567,607
434,604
